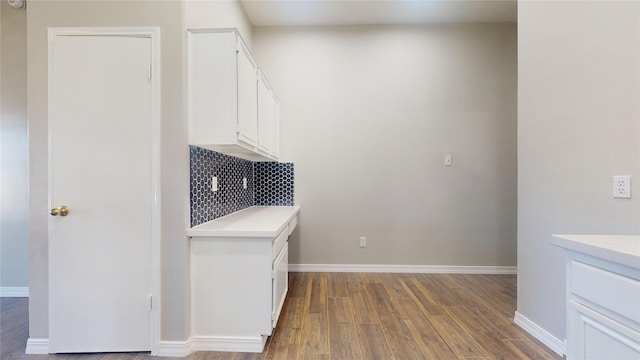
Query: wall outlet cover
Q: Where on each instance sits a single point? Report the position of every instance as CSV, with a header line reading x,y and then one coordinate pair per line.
x,y
214,183
622,187
447,160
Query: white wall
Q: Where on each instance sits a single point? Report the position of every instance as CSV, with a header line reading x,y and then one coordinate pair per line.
x,y
367,114
578,125
174,151
14,212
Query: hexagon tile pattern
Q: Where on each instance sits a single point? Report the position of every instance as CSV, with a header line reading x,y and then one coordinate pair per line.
x,y
274,184
268,184
205,203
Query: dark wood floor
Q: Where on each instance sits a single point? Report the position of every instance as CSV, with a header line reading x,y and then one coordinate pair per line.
x,y
342,316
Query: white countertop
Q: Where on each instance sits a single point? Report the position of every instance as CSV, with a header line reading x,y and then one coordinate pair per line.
x,y
256,221
621,249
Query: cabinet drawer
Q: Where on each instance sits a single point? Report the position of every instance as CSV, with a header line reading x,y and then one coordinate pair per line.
x,y
279,242
293,223
611,291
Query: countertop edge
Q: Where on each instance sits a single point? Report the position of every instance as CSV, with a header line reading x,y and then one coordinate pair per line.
x,y
204,233
598,251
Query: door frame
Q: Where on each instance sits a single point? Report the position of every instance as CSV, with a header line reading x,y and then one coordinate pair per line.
x,y
152,33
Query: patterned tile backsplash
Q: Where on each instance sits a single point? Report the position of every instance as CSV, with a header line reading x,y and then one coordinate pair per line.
x,y
274,183
268,184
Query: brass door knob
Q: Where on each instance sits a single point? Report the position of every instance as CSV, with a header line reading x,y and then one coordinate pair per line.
x,y
62,211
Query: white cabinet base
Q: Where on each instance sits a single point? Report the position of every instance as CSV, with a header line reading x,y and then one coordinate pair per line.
x,y
239,275
603,296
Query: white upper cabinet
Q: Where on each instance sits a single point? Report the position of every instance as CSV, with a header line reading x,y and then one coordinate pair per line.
x,y
268,119
223,96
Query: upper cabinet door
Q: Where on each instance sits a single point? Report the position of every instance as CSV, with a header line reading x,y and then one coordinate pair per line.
x,y
275,127
265,100
247,97
212,88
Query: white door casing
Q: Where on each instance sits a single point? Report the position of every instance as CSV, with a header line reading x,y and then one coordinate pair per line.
x,y
104,132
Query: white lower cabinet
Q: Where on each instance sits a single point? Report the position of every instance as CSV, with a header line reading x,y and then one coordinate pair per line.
x,y
239,281
603,309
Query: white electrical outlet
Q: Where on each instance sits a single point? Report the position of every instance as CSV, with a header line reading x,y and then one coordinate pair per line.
x,y
214,183
622,187
244,183
363,241
447,160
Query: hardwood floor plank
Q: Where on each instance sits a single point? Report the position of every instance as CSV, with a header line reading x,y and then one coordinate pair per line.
x,y
285,342
315,333
314,357
403,345
533,351
417,321
483,334
211,355
423,297
318,295
373,342
338,286
441,290
482,311
343,337
298,284
430,342
400,298
457,338
363,310
249,356
372,278
489,294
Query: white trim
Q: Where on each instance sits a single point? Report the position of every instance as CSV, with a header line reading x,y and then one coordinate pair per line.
x,y
156,212
415,269
211,343
10,291
153,33
555,344
254,344
174,348
37,346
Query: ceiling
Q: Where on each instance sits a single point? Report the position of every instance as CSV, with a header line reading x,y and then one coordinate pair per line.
x,y
370,12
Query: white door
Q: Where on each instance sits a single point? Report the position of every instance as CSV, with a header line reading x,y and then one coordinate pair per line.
x,y
100,167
